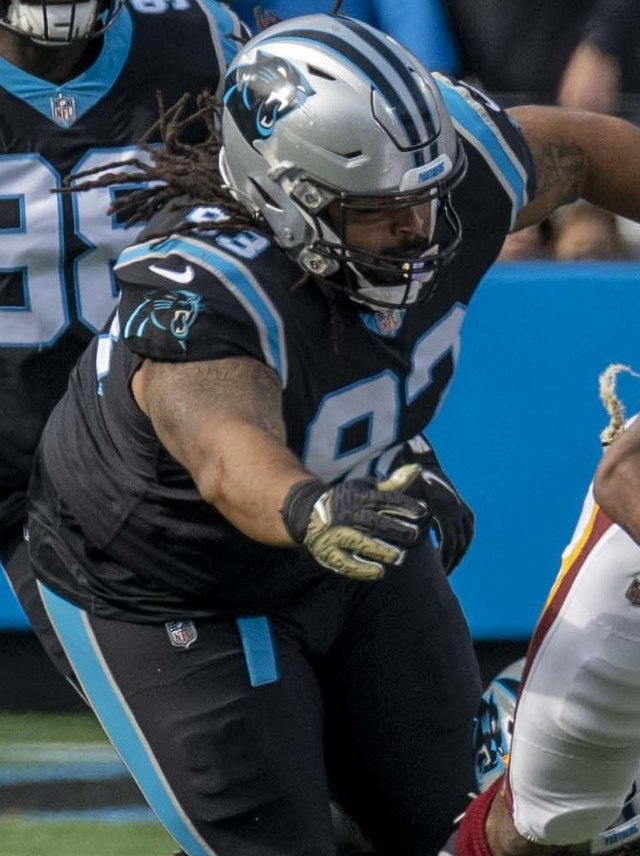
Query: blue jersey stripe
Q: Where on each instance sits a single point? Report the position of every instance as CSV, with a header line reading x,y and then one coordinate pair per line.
x,y
408,76
136,253
72,628
237,278
227,27
511,172
86,89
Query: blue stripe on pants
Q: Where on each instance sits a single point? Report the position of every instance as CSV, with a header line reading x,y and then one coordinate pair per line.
x,y
259,651
72,627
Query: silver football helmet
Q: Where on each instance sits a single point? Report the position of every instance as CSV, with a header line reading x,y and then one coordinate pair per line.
x,y
492,742
55,24
324,108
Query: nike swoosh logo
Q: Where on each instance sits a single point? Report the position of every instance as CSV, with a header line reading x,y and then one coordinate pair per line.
x,y
181,277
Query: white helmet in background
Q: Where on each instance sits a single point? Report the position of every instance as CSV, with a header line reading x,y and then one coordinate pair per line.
x,y
492,742
55,24
321,108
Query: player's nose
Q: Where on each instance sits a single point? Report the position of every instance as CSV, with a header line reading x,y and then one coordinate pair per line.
x,y
410,221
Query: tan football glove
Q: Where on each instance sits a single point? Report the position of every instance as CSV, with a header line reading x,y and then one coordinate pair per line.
x,y
357,528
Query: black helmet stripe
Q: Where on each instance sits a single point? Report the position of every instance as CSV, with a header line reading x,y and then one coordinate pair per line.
x,y
424,106
372,71
380,82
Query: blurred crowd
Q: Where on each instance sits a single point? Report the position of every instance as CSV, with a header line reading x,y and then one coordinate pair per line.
x,y
581,54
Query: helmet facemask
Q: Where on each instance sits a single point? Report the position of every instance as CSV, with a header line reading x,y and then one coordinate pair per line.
x,y
58,24
392,278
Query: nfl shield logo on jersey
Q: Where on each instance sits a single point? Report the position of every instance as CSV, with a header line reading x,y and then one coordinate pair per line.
x,y
63,109
384,322
389,321
182,634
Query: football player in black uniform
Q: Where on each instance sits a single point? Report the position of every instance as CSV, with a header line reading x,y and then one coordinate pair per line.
x,y
78,89
229,513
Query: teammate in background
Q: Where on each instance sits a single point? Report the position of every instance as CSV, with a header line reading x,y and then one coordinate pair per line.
x,y
575,748
240,454
78,89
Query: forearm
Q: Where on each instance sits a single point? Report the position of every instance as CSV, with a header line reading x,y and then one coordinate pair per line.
x,y
612,178
579,154
222,421
246,474
617,481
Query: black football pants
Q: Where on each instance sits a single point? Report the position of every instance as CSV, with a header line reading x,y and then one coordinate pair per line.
x,y
14,561
362,691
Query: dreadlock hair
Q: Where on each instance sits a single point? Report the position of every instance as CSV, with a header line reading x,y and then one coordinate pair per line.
x,y
175,169
611,401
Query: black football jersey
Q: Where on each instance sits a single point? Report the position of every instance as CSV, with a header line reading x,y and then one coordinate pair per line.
x,y
56,277
355,383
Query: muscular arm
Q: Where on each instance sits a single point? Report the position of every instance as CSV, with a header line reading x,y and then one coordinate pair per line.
x,y
617,481
222,421
579,154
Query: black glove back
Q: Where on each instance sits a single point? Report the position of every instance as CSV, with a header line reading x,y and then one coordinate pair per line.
x,y
452,519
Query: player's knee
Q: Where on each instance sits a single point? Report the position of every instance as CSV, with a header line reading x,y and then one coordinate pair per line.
x,y
579,825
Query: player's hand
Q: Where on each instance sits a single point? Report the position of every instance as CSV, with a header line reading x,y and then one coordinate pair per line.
x,y
451,517
357,528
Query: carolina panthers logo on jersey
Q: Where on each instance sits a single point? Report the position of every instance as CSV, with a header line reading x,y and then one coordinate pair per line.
x,y
259,94
172,311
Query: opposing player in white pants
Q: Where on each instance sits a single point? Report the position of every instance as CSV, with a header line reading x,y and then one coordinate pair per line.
x,y
575,747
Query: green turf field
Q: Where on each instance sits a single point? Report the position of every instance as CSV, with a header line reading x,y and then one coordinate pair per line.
x,y
36,727
22,838
64,792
